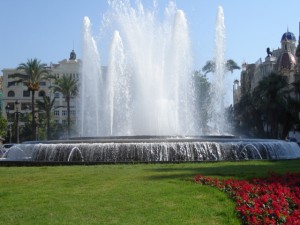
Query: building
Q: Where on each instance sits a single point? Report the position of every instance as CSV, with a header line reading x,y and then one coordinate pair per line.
x,y
284,60
13,92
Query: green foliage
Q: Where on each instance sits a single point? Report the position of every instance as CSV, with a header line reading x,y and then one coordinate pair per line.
x,y
32,73
57,131
210,66
202,87
232,65
46,107
269,111
68,86
3,126
26,131
231,119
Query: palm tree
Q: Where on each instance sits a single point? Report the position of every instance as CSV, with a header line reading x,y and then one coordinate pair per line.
x,y
210,66
46,106
232,65
68,87
32,73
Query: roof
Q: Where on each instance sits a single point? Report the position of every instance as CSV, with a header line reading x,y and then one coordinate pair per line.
x,y
288,36
286,61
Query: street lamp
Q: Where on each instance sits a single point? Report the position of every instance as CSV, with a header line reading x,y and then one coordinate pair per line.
x,y
9,124
17,116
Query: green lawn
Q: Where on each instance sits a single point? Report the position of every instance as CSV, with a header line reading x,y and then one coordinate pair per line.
x,y
132,194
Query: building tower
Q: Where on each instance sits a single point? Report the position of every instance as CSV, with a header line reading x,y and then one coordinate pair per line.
x,y
287,63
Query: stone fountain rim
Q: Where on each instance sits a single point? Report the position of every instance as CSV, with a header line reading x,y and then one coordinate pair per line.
x,y
153,139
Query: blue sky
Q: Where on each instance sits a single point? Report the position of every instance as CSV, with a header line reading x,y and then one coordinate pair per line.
x,y
47,29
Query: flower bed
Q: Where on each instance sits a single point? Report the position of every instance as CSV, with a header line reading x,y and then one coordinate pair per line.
x,y
272,200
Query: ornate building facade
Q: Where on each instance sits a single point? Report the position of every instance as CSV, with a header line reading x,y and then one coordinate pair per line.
x,y
284,60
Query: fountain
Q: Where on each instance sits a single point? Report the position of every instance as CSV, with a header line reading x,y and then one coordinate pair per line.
x,y
152,149
142,107
147,88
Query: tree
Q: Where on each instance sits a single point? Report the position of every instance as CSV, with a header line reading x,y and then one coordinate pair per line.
x,y
296,89
210,66
26,131
270,110
271,97
46,106
68,87
202,87
232,65
3,126
248,117
34,73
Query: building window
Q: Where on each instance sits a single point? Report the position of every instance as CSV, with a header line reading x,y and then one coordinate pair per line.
x,y
25,106
64,112
43,83
73,112
56,95
26,93
56,121
64,122
12,83
42,94
56,113
11,94
11,105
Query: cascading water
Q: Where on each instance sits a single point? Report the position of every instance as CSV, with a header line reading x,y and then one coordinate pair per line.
x,y
148,87
154,149
217,108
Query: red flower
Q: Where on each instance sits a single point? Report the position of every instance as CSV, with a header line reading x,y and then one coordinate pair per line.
x,y
273,200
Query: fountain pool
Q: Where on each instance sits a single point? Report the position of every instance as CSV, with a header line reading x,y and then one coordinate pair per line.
x,y
154,149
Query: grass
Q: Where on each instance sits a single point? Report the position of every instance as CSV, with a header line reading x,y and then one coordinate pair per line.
x,y
124,194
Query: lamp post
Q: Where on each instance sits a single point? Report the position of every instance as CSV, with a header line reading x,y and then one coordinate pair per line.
x,y
17,113
9,124
17,116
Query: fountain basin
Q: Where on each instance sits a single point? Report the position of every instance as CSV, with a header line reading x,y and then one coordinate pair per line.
x,y
153,149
